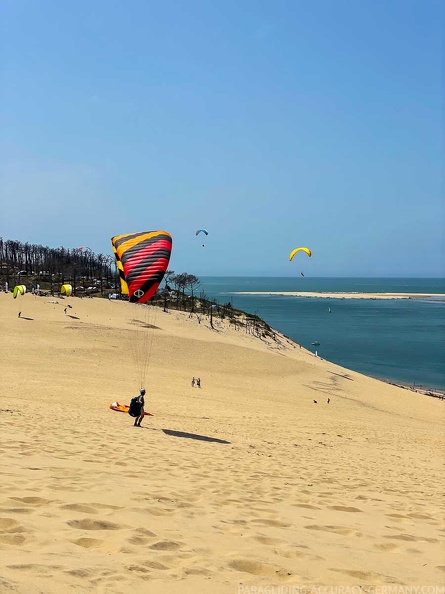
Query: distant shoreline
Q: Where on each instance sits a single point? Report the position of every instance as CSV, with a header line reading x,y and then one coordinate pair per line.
x,y
420,389
341,295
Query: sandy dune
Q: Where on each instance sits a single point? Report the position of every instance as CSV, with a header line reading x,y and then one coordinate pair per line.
x,y
245,481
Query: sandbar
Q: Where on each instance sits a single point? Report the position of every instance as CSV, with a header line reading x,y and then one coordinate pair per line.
x,y
349,295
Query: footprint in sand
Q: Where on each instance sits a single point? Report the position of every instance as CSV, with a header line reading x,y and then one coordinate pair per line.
x,y
267,540
139,540
87,524
360,575
344,509
88,543
196,571
256,510
8,525
127,550
398,518
12,539
157,511
388,547
165,545
257,568
183,505
267,522
137,569
418,516
36,568
144,532
107,506
170,561
80,573
32,500
237,522
410,537
306,505
155,565
335,529
85,509
293,554
16,510
7,586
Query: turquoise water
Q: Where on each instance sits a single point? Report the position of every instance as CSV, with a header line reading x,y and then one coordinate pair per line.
x,y
397,340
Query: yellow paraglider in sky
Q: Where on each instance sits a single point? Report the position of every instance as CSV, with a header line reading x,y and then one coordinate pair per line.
x,y
303,249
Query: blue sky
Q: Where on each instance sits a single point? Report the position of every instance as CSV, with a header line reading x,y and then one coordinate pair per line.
x,y
272,124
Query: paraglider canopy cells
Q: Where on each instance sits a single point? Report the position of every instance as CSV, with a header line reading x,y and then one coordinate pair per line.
x,y
144,257
299,249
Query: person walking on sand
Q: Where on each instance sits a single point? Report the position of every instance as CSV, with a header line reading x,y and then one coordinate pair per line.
x,y
193,382
198,382
20,314
137,408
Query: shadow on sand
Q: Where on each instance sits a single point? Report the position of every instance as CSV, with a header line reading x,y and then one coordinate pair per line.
x,y
341,375
72,317
193,436
144,324
24,318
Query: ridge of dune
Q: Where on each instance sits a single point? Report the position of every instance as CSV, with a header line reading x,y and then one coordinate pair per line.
x,y
247,481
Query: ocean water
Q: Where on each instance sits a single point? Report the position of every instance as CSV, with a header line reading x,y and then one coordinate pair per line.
x,y
400,340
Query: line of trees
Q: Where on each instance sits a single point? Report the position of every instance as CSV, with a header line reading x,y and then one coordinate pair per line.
x,y
78,266
25,263
180,292
183,282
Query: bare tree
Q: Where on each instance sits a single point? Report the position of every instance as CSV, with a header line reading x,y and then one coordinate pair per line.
x,y
192,283
180,282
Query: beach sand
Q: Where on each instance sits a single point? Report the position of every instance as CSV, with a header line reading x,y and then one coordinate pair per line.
x,y
243,483
343,295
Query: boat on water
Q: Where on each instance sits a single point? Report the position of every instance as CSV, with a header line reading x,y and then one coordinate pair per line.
x,y
315,343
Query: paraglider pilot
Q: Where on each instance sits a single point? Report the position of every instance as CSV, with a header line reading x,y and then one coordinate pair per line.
x,y
137,408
